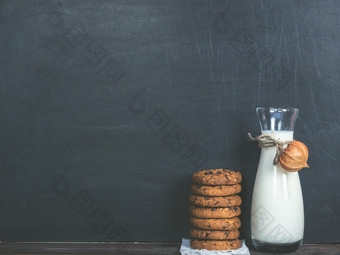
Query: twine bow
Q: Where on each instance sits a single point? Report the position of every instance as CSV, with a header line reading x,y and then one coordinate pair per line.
x,y
266,141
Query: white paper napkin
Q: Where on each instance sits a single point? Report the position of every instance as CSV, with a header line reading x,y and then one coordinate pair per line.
x,y
187,250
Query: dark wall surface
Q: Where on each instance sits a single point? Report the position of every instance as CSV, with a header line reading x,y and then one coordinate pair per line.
x,y
108,107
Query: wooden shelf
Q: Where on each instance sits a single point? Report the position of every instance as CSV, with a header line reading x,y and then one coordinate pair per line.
x,y
140,248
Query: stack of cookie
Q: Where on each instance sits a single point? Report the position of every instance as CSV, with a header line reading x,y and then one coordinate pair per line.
x,y
214,210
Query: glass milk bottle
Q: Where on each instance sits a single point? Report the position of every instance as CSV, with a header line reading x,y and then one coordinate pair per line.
x,y
277,216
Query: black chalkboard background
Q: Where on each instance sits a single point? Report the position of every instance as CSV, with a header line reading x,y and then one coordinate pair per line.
x,y
108,107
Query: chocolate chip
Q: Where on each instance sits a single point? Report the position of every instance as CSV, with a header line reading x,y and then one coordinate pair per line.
x,y
218,172
213,209
199,186
207,234
207,198
224,227
211,172
226,234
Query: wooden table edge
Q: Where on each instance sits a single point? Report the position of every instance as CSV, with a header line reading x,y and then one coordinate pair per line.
x,y
129,248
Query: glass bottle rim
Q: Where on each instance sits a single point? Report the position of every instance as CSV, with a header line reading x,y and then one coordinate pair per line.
x,y
277,109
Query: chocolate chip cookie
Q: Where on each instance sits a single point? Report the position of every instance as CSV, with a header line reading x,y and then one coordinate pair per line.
x,y
214,234
216,224
215,245
217,177
214,212
204,201
216,191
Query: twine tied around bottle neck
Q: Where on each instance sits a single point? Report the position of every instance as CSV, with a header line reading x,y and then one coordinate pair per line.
x,y
267,141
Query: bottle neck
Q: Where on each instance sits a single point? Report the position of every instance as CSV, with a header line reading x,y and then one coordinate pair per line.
x,y
271,118
281,135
